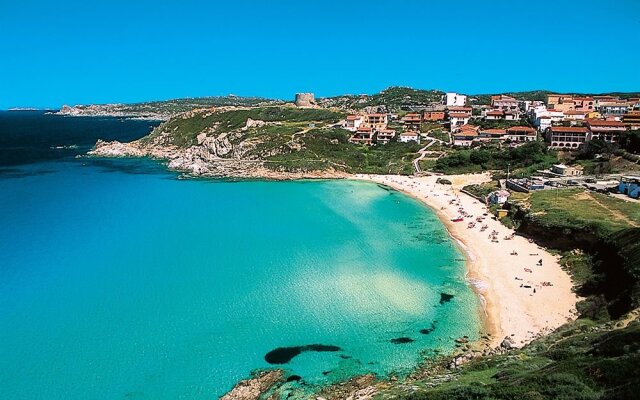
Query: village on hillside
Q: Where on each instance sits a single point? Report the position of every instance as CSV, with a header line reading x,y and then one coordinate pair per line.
x,y
564,122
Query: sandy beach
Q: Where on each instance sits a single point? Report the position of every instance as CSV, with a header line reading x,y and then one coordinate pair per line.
x,y
522,298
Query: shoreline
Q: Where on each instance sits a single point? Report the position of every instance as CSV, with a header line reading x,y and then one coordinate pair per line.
x,y
512,312
513,316
471,276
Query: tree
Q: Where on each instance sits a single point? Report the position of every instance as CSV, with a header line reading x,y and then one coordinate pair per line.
x,y
631,142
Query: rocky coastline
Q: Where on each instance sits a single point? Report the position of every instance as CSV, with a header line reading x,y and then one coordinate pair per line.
x,y
213,155
274,384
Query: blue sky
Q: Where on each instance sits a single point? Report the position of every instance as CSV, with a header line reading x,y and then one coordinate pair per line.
x,y
77,52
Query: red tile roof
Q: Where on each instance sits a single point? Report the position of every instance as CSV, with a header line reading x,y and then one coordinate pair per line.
x,y
599,122
459,115
460,109
495,131
521,129
577,129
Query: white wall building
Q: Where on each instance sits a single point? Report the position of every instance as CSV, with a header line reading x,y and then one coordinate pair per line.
x,y
353,122
454,99
410,136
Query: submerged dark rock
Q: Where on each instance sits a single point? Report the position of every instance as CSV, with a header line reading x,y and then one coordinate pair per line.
x,y
402,340
283,355
427,331
294,378
445,298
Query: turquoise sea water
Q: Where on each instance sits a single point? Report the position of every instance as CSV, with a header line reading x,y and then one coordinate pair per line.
x,y
118,280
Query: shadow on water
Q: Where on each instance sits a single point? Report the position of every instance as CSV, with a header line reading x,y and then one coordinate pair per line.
x,y
135,166
17,173
283,355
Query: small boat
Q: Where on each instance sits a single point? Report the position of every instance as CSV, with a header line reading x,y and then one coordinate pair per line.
x,y
459,219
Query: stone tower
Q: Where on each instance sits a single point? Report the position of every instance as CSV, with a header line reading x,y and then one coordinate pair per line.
x,y
305,100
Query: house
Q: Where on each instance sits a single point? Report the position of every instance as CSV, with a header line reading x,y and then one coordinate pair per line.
x,y
528,105
461,110
465,135
504,103
457,120
412,122
494,115
543,118
574,115
563,170
593,115
543,122
454,99
609,131
433,116
632,120
353,122
583,104
521,134
363,135
566,102
613,107
376,121
498,197
409,136
493,134
511,115
567,137
630,185
560,102
384,136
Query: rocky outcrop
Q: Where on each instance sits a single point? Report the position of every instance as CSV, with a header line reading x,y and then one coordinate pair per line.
x,y
229,154
254,387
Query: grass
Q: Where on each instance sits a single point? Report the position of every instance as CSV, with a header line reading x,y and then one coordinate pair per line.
x,y
440,134
522,160
578,209
582,360
183,131
329,148
483,189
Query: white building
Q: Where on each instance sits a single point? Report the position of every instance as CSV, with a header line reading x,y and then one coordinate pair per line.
x,y
384,136
409,136
543,118
498,197
454,99
353,122
458,119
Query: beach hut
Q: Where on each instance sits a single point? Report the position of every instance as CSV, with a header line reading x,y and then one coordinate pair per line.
x,y
499,197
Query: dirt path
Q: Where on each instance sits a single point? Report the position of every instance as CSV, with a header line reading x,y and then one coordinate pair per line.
x,y
615,213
